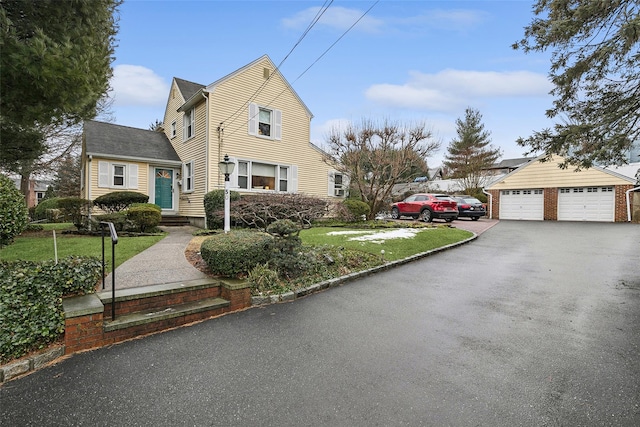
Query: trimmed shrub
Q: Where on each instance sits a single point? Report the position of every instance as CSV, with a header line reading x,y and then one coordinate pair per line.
x,y
214,207
13,211
148,205
47,209
31,300
144,218
237,252
74,210
119,200
352,210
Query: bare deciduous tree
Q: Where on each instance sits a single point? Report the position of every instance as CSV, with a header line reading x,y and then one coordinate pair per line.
x,y
375,156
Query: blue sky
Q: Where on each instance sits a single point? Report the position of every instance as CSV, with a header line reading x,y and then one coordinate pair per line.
x,y
408,61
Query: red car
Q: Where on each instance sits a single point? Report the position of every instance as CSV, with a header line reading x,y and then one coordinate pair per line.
x,y
426,207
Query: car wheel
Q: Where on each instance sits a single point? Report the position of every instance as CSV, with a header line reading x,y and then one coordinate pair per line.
x,y
425,215
395,213
475,218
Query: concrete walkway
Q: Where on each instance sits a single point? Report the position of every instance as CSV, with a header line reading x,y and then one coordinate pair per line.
x,y
164,262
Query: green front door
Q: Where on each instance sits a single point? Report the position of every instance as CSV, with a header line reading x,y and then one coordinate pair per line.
x,y
164,188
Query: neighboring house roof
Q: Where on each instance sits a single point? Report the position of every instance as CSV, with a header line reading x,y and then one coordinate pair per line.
x,y
631,170
123,142
435,173
511,163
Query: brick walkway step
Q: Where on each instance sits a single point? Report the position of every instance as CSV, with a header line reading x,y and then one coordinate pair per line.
x,y
171,312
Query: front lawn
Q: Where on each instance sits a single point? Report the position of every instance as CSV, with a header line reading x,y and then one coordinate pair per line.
x,y
39,246
397,243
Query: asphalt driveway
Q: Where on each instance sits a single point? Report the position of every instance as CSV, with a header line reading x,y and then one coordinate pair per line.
x,y
531,324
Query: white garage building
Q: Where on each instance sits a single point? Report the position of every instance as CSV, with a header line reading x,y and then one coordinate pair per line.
x,y
542,191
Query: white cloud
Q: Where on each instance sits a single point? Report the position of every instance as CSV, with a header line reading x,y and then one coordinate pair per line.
x,y
455,19
339,18
136,85
449,89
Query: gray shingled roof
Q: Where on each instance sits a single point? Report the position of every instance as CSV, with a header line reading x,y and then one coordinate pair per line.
x,y
187,88
111,140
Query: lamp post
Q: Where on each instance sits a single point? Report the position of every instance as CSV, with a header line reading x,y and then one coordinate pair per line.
x,y
226,167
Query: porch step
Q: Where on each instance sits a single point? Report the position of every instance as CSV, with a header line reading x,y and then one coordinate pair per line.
x,y
174,221
171,316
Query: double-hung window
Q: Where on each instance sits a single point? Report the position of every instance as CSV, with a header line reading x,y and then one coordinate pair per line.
x,y
189,124
118,175
173,129
188,177
265,122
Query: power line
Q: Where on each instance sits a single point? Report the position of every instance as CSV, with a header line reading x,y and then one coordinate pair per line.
x,y
312,64
313,22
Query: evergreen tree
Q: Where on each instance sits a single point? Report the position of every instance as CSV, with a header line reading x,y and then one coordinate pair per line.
x,y
56,65
594,67
469,155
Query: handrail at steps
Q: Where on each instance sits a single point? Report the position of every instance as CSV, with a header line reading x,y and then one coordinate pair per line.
x,y
114,242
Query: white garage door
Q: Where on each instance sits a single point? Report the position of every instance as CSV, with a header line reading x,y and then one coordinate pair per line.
x,y
586,204
522,204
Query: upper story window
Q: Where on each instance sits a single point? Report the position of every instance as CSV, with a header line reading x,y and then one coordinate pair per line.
x,y
189,124
173,129
265,122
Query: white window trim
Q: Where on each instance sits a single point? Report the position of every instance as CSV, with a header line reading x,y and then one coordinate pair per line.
x,y
192,122
174,131
292,176
276,122
106,175
334,189
188,178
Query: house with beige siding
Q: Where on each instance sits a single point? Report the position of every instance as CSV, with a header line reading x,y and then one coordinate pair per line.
x,y
253,115
542,191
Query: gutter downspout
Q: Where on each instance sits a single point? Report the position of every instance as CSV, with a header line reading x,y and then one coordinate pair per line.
x,y
206,148
490,203
628,203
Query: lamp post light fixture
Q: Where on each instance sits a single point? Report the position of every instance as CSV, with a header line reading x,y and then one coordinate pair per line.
x,y
226,167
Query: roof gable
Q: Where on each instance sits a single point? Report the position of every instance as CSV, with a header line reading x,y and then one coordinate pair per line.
x,y
211,87
538,174
110,140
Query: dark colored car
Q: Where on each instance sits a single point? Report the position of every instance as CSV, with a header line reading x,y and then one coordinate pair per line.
x,y
426,207
470,207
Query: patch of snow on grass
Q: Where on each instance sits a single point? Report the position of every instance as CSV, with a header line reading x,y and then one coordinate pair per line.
x,y
380,236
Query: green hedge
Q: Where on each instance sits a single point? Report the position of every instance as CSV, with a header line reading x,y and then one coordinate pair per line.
x,y
236,252
144,217
214,207
31,315
13,211
119,200
44,208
